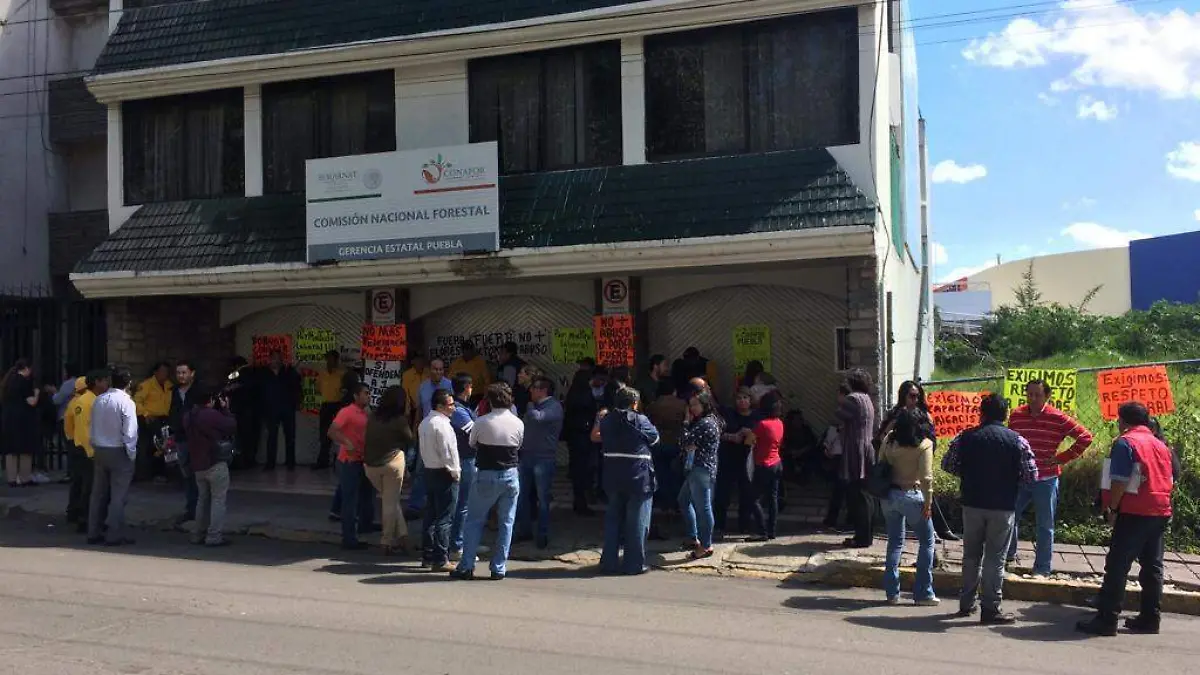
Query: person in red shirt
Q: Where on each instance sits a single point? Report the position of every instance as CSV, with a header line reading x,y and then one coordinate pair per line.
x,y
349,431
765,439
1045,427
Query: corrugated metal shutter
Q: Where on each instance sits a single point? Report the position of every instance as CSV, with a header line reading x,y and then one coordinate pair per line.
x,y
802,325
286,320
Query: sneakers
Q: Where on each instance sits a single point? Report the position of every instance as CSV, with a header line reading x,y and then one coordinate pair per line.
x,y
441,567
40,478
462,575
893,600
496,576
931,601
1097,626
997,619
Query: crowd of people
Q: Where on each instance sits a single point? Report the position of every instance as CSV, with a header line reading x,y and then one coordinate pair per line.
x,y
480,445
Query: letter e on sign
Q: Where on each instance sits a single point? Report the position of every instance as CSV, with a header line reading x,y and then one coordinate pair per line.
x,y
383,307
614,292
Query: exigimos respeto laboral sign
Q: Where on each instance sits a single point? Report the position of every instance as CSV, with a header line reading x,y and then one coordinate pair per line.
x,y
404,204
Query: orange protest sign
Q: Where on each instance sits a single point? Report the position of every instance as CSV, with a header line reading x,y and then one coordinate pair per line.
x,y
954,412
385,343
261,347
1148,385
614,340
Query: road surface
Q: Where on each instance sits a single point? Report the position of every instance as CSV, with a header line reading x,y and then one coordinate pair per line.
x,y
262,607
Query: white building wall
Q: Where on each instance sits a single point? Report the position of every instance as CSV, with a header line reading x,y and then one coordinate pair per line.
x,y
1065,278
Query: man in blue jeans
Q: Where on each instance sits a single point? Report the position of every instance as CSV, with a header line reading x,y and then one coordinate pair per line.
x,y
496,437
626,438
539,455
439,455
462,420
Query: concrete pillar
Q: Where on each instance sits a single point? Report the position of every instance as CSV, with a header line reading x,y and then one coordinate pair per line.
x,y
633,101
252,128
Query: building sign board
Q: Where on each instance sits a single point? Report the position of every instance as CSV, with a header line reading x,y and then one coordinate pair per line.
x,y
404,204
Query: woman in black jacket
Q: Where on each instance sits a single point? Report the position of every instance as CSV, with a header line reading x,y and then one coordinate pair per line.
x,y
580,413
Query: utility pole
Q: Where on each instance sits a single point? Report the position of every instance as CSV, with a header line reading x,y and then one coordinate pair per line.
x,y
922,151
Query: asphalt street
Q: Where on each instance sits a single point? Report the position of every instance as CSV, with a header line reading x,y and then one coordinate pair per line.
x,y
262,607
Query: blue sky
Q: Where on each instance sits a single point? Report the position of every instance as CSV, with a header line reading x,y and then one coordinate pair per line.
x,y
1057,126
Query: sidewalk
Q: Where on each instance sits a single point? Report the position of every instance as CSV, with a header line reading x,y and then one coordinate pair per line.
x,y
803,554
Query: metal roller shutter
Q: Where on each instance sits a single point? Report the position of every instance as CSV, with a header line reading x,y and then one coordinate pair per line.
x,y
286,320
802,325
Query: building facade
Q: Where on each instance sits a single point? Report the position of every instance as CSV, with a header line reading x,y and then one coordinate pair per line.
x,y
726,163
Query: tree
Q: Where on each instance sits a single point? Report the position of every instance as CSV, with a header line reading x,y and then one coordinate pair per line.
x,y
1027,294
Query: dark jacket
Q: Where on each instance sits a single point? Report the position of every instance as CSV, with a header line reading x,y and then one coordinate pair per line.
x,y
989,465
580,409
626,438
279,392
205,427
196,395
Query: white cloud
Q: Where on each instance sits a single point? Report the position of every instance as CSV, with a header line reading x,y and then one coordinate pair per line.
x,y
949,171
1047,99
940,256
1106,44
1095,109
1184,161
1094,235
1197,214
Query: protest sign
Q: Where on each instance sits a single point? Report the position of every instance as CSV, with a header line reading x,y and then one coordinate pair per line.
x,y
1148,385
954,412
385,343
751,343
614,340
1062,382
572,344
379,375
263,345
312,344
310,396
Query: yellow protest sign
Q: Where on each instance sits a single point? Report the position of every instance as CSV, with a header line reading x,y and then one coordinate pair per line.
x,y
312,344
1062,384
310,395
572,344
751,342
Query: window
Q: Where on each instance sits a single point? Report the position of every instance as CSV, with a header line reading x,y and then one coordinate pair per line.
x,y
771,85
894,17
549,110
328,117
184,147
841,349
896,170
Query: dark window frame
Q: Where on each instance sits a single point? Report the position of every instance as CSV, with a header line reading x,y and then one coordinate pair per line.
x,y
595,106
135,157
656,46
379,123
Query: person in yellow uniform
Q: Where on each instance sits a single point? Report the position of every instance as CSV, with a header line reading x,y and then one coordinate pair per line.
x,y
416,373
329,386
77,424
153,402
473,364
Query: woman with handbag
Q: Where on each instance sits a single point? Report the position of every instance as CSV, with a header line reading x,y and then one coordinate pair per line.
x,y
700,443
210,428
909,456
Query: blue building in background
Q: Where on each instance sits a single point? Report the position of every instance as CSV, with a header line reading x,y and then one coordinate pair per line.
x,y
1164,268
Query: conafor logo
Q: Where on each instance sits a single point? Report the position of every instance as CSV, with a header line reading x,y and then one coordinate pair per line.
x,y
440,169
434,169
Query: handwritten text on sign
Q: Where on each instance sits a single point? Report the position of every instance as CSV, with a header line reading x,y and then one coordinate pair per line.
x,y
1062,383
1149,386
572,344
614,340
262,346
954,412
751,343
310,395
385,343
312,344
532,344
379,375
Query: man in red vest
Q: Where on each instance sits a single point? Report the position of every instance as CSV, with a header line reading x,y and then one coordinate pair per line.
x,y
1139,508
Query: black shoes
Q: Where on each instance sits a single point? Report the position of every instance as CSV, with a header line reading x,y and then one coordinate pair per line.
x,y
1097,626
997,619
1142,625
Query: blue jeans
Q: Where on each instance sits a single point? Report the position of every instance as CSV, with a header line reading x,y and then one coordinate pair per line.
x,y
537,476
465,483
439,515
501,489
627,522
358,501
191,491
416,498
899,509
1044,496
696,501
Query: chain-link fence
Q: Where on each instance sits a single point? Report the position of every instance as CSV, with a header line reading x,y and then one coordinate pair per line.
x,y
1097,392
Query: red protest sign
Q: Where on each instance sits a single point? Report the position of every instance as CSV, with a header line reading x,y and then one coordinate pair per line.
x,y
385,343
954,412
614,340
263,345
1148,385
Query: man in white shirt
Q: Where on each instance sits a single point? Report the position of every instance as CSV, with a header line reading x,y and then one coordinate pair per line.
x,y
114,436
439,456
496,437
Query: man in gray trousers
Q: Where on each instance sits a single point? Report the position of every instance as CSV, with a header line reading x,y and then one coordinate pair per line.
x,y
114,434
991,461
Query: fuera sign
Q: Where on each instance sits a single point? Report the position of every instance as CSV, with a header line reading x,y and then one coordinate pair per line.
x,y
409,203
